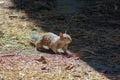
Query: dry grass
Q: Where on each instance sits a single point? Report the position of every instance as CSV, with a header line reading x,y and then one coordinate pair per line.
x,y
14,31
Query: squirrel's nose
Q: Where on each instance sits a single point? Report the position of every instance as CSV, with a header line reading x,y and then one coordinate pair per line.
x,y
70,39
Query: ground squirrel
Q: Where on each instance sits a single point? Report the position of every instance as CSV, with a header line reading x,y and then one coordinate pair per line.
x,y
58,44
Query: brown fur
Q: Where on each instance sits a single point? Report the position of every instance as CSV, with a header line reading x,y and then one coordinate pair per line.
x,y
54,42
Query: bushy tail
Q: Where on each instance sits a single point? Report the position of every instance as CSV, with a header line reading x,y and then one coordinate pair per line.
x,y
33,39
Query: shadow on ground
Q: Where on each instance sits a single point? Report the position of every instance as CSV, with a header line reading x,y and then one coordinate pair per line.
x,y
94,28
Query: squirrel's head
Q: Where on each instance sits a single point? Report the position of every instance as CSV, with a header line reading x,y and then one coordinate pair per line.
x,y
65,38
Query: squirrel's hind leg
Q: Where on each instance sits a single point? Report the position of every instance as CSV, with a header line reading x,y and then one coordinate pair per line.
x,y
38,47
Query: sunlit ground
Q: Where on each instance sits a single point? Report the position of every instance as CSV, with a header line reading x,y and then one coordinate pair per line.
x,y
55,67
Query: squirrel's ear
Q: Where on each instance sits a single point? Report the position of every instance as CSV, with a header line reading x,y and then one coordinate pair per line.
x,y
61,35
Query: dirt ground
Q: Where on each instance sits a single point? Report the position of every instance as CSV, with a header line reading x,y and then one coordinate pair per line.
x,y
96,40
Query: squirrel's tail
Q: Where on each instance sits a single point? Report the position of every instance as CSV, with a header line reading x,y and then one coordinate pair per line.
x,y
33,39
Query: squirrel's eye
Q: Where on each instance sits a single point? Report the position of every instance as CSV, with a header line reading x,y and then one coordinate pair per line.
x,y
65,38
